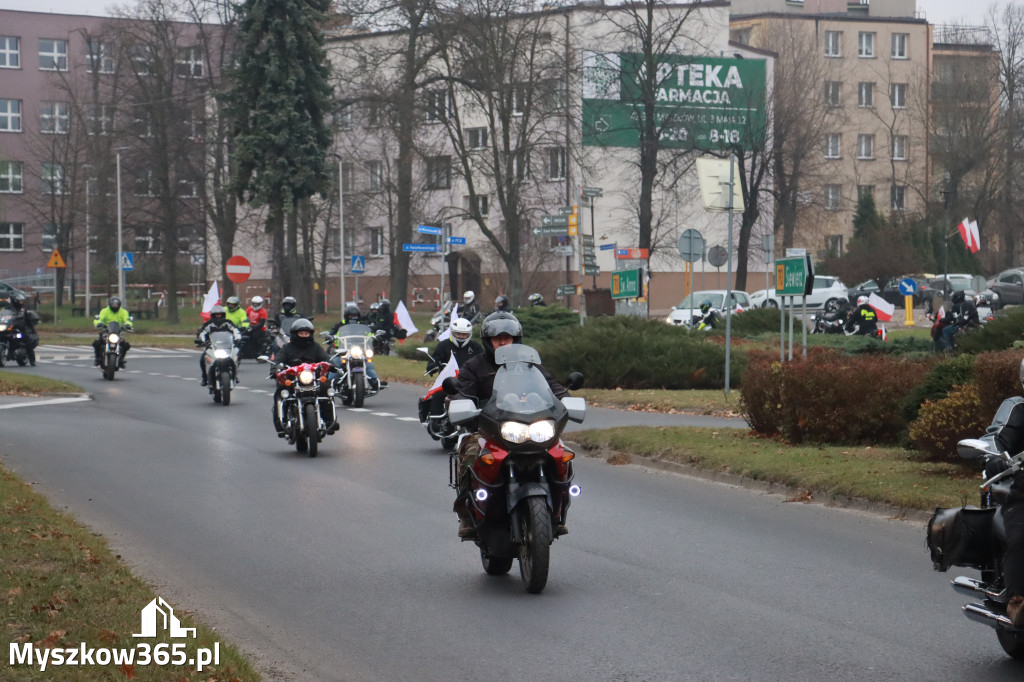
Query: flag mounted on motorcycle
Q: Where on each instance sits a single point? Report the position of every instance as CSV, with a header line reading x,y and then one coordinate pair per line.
x,y
883,308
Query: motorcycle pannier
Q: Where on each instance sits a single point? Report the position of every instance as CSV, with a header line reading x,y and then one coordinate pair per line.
x,y
961,537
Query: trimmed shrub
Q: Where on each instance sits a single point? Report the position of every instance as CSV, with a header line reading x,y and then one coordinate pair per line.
x,y
760,393
943,376
904,346
629,352
940,424
755,322
997,376
999,334
541,323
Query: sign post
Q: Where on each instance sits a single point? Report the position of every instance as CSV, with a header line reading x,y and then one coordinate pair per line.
x,y
908,287
57,263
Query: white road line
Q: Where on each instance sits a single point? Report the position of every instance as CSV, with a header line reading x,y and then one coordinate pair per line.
x,y
408,419
155,374
53,401
383,414
358,409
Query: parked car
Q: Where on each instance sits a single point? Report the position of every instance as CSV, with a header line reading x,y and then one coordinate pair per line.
x,y
6,291
891,291
680,314
826,289
942,289
1009,284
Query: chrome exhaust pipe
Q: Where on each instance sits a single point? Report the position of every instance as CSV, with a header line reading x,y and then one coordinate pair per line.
x,y
980,614
974,588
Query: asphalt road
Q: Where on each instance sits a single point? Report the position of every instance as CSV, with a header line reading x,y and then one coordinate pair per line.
x,y
347,566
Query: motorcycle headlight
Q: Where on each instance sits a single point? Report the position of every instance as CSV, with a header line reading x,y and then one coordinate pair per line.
x,y
355,352
305,377
514,432
369,353
220,354
541,432
113,338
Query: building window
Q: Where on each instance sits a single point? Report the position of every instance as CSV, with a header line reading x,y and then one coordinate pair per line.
x,y
520,99
53,117
12,236
553,94
188,189
521,164
141,59
834,245
196,128
189,63
833,43
477,204
439,172
348,178
10,57
898,197
147,240
833,96
145,184
899,148
476,138
53,178
899,95
53,55
142,124
99,120
865,94
376,171
11,177
376,241
832,145
899,45
10,115
865,146
438,105
832,197
556,163
866,45
49,236
100,57
343,118
865,191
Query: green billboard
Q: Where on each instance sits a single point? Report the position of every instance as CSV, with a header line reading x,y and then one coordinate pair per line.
x,y
707,103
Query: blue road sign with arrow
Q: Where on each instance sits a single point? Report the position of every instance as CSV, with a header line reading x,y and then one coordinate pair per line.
x,y
456,240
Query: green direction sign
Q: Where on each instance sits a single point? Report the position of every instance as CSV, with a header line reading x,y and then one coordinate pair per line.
x,y
565,210
701,102
567,290
793,276
587,240
553,220
551,231
626,283
592,192
591,270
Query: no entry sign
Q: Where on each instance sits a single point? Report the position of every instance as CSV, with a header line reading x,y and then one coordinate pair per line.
x,y
238,269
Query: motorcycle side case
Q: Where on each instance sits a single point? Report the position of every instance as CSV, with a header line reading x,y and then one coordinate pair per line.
x,y
964,536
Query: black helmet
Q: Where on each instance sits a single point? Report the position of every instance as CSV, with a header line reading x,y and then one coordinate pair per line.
x,y
385,306
233,302
502,303
17,301
288,304
302,325
218,314
114,302
499,323
704,308
352,314
957,297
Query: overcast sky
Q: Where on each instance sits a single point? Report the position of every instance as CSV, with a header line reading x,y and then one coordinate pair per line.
x,y
971,12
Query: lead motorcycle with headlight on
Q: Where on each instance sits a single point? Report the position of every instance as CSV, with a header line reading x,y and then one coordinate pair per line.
x,y
221,365
975,537
112,338
306,407
523,479
352,355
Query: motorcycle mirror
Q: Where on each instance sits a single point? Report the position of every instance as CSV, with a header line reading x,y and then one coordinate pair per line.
x,y
262,359
325,335
577,408
450,386
461,411
975,448
575,381
423,349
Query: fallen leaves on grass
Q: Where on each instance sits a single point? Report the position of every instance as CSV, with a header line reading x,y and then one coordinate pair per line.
x,y
802,496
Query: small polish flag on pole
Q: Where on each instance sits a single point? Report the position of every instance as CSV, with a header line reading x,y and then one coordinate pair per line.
x,y
882,307
969,233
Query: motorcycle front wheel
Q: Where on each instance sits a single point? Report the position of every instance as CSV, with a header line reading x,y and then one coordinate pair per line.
x,y
224,386
108,371
1012,643
311,419
495,565
360,390
535,552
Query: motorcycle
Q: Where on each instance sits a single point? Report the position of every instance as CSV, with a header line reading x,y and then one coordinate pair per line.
x,y
221,362
256,341
706,321
112,344
14,341
975,537
522,482
350,359
439,321
438,425
306,408
831,320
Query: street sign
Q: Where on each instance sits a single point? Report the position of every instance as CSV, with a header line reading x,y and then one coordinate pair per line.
x,y
55,260
566,210
793,276
588,250
589,260
457,240
126,260
592,192
196,259
427,229
554,220
588,240
908,286
608,247
420,247
626,283
691,246
717,255
591,270
238,269
551,231
562,250
792,253
631,253
358,265
567,290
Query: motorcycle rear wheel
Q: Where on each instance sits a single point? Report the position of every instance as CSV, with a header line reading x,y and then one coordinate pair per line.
x,y
224,386
495,565
311,419
535,552
360,391
1012,643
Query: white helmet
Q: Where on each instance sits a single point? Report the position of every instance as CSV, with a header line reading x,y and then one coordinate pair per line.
x,y
257,302
462,331
468,297
861,300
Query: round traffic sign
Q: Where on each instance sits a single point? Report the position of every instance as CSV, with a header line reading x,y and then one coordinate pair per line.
x,y
979,284
908,287
237,269
717,256
691,245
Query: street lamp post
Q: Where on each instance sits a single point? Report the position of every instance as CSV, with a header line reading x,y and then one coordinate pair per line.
x,y
341,234
120,241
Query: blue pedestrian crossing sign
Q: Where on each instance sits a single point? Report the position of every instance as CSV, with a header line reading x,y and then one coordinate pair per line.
x,y
126,260
358,264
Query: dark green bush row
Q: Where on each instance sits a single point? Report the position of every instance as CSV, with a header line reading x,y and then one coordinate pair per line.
x,y
999,334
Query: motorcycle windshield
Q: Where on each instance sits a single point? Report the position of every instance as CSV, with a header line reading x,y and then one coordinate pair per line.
x,y
6,317
286,324
114,327
521,393
352,335
222,340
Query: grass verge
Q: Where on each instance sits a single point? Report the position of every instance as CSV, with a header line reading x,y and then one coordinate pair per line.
x,y
62,587
884,475
12,383
706,402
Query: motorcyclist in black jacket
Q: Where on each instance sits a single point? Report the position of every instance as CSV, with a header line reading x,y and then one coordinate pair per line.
x,y
502,304
469,309
962,315
287,311
26,320
301,348
218,322
863,320
351,316
461,346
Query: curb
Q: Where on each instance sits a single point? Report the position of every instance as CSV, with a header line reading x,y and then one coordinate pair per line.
x,y
889,511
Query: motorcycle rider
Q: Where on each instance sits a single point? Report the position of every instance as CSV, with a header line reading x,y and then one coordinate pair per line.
x,y
470,308
353,316
536,300
237,316
218,322
461,346
962,315
257,313
388,321
864,319
502,304
26,320
287,311
708,317
114,312
301,348
476,382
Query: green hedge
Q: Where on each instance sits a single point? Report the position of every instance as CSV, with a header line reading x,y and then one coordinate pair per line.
x,y
998,334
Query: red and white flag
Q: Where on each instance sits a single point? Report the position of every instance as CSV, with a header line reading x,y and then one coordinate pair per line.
x,y
211,299
882,307
450,370
969,233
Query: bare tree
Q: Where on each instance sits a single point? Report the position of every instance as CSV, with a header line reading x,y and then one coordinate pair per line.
x,y
1006,25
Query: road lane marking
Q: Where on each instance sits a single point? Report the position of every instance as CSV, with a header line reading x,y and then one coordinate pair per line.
x,y
52,401
383,414
408,419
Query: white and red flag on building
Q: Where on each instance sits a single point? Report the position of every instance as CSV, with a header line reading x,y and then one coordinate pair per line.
x,y
882,307
969,233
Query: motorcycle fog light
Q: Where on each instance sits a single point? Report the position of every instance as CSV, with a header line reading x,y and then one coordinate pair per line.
x,y
481,495
355,352
113,338
541,432
514,432
369,353
330,393
305,377
575,490
220,354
